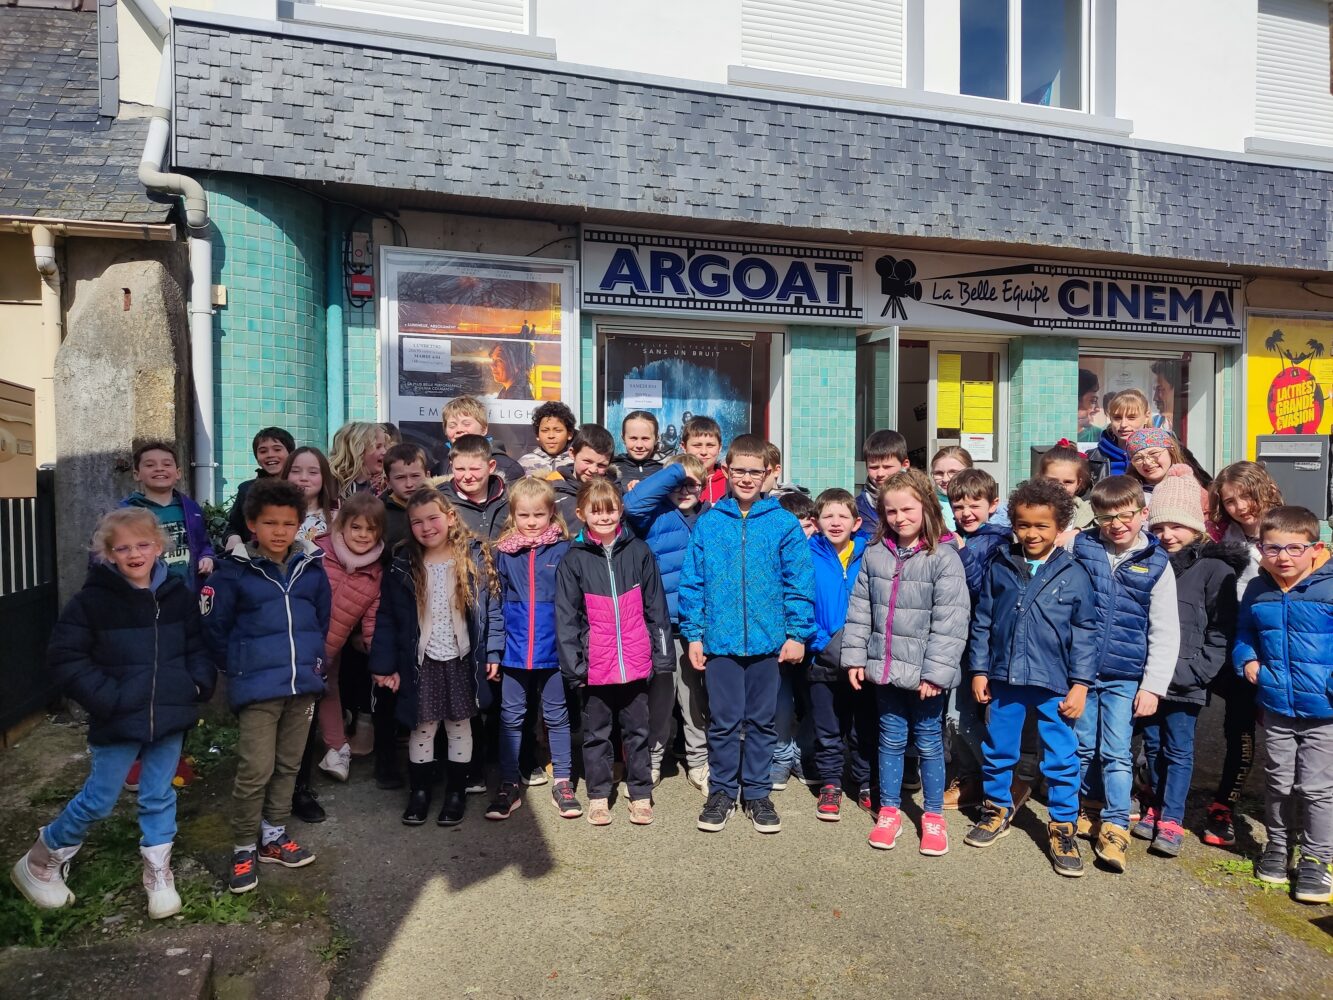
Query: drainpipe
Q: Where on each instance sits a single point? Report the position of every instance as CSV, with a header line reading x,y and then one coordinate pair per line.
x,y
335,352
154,178
44,256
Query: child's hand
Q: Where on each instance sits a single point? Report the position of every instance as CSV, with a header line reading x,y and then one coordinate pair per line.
x,y
492,671
1145,704
1072,707
981,689
205,566
1252,671
927,690
791,652
856,677
697,659
359,643
389,681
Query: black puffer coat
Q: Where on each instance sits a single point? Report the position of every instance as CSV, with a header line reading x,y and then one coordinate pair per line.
x,y
1206,595
134,658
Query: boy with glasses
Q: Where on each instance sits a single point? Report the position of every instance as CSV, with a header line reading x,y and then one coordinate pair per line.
x,y
1283,647
1131,576
745,606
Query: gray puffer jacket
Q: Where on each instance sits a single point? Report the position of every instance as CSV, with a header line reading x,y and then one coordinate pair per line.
x,y
919,597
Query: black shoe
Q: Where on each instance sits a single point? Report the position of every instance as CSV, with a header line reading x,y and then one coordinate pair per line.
x,y
305,805
1063,850
1220,827
455,796
993,825
387,775
762,814
911,774
1313,882
717,810
418,801
1272,866
506,800
243,876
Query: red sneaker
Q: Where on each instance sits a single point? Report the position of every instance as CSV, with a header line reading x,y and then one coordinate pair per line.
x,y
829,808
864,800
184,772
132,779
885,833
934,835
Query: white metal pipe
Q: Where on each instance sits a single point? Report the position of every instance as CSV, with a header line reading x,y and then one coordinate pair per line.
x,y
44,256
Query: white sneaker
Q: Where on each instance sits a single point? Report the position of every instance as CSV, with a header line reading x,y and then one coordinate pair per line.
x,y
698,777
337,763
537,777
657,776
159,882
40,875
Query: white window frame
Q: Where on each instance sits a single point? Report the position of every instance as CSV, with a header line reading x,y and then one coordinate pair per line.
x,y
1015,62
527,43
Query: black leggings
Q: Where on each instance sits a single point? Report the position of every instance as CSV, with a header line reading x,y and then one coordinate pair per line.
x,y
1238,725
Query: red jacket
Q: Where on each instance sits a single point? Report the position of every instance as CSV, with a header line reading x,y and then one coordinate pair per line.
x,y
716,487
355,581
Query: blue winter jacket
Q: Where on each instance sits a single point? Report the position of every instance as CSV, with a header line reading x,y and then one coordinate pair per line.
x,y
653,517
1125,597
527,587
1291,635
266,623
978,550
867,509
196,531
1036,630
747,582
833,590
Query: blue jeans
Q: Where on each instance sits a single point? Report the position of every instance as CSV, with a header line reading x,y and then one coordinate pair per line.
x,y
97,797
742,691
899,709
968,728
1105,730
1168,742
1000,750
516,686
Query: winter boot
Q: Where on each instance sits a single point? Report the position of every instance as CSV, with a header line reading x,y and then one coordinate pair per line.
x,y
418,801
387,774
40,874
455,794
159,883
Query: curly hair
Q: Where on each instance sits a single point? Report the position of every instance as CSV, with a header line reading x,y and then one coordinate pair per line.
x,y
350,443
136,520
1043,493
1252,481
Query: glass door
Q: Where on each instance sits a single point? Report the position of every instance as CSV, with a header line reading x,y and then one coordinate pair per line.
x,y
967,400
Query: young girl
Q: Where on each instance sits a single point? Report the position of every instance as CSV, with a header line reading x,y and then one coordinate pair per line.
x,y
527,555
1126,411
614,633
906,631
1066,465
129,649
1206,596
309,469
638,432
947,463
357,460
438,622
1152,453
1238,499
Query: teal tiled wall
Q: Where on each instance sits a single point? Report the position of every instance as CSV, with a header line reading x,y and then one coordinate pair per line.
x,y
586,408
823,407
269,339
1043,397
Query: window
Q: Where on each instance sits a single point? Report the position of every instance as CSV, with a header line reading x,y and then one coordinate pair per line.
x,y
845,39
1031,51
494,15
1292,99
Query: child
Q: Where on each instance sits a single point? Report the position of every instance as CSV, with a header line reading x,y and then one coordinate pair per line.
x,y
1066,465
1131,575
745,607
885,454
663,510
614,633
189,554
439,622
1206,599
270,446
1152,452
906,631
835,555
553,423
591,452
465,415
406,470
792,691
1127,411
1035,639
638,432
1238,500
266,612
357,458
526,558
947,463
128,649
1283,648
309,469
474,490
702,438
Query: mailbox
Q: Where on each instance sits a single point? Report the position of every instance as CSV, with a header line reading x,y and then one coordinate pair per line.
x,y
18,455
1298,464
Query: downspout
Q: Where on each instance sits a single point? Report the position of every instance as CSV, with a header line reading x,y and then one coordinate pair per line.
x,y
154,178
44,256
335,352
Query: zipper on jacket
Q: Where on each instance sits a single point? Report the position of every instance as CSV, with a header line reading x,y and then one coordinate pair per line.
x,y
152,694
745,616
615,609
287,604
532,603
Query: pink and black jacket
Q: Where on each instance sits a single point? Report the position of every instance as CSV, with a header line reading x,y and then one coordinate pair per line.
x,y
611,613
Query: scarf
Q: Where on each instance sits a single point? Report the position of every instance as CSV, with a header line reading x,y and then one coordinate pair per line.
x,y
516,541
1116,459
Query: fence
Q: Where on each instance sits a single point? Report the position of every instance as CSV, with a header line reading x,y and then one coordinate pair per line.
x,y
28,600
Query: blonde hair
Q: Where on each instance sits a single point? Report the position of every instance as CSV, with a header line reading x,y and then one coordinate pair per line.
x,y
531,488
465,406
598,494
1128,399
350,443
693,467
469,579
952,451
130,519
917,483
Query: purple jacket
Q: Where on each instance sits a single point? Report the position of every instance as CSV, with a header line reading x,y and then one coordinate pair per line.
x,y
196,531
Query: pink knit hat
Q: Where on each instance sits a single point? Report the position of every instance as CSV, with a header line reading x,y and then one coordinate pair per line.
x,y
1177,499
1149,437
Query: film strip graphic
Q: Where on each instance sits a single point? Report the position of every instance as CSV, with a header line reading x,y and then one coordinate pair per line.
x,y
669,242
721,306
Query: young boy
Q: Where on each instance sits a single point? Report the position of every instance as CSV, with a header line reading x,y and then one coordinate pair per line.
x,y
638,432
271,446
885,455
792,698
467,415
591,452
157,471
265,614
663,510
406,471
745,607
1036,634
1141,644
475,489
702,438
1127,411
835,554
1284,646
553,423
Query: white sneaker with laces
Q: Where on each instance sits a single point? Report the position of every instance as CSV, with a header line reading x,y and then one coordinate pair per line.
x,y
337,763
698,777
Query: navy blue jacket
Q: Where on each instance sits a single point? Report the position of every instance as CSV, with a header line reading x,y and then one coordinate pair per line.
x,y
527,588
653,517
134,658
1125,596
1290,634
1036,630
487,519
978,550
266,624
1206,597
867,508
833,591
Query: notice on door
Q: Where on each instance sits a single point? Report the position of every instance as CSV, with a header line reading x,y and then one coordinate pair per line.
x,y
643,394
978,408
949,390
427,354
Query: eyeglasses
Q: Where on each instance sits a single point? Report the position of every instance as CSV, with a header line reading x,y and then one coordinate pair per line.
x,y
1124,517
741,475
124,550
689,489
1155,455
1294,549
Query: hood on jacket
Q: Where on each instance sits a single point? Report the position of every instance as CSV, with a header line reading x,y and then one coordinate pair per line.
x,y
1235,556
302,548
495,489
764,505
333,544
105,574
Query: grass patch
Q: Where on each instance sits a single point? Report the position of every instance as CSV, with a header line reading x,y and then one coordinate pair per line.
x,y
210,743
338,947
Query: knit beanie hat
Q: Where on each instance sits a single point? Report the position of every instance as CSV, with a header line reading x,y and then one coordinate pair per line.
x,y
1177,499
1149,437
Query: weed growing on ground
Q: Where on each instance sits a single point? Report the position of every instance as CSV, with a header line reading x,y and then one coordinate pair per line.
x,y
211,742
337,948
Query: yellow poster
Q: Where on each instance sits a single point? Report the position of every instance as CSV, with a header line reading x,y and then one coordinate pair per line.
x,y
1289,376
978,407
949,390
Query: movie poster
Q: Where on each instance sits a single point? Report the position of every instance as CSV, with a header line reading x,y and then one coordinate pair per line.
x,y
675,378
1289,376
460,325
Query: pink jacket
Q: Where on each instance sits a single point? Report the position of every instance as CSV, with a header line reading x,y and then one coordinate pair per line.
x,y
355,581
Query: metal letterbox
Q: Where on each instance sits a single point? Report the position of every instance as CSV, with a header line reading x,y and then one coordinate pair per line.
x,y
1298,464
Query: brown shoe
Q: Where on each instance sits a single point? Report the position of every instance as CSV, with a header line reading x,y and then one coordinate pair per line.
x,y
1089,820
1111,844
1020,791
962,794
1063,850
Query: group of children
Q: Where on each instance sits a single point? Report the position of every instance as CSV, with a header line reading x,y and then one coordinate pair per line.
x,y
920,633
